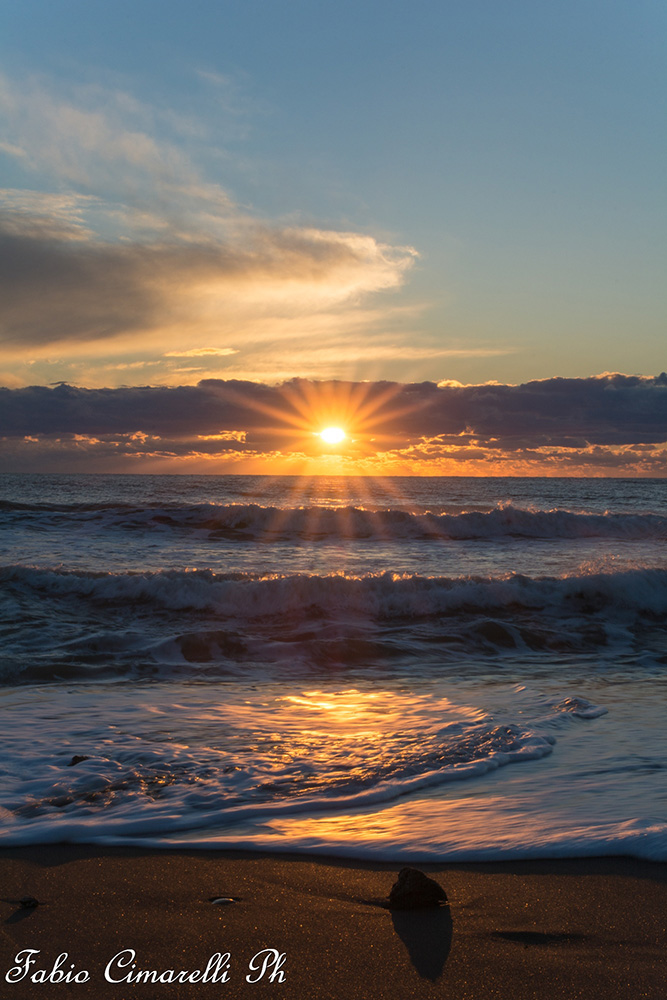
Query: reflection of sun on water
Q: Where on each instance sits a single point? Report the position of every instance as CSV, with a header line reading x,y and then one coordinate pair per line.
x,y
333,746
354,712
360,714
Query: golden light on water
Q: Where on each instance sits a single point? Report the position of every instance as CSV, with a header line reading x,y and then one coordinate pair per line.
x,y
333,435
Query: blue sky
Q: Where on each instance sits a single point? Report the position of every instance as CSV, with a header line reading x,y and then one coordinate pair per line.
x,y
466,191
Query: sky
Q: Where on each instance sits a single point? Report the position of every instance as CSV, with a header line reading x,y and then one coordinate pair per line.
x,y
439,225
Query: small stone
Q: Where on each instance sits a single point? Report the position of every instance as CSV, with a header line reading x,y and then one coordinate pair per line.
x,y
413,890
77,759
28,902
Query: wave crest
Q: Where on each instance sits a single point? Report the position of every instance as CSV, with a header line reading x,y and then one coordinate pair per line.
x,y
383,595
252,522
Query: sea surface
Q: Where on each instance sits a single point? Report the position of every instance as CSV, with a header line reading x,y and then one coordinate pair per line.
x,y
402,668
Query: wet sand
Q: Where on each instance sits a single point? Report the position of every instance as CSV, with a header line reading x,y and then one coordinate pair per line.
x,y
555,929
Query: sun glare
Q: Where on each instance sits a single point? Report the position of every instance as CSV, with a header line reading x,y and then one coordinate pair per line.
x,y
333,435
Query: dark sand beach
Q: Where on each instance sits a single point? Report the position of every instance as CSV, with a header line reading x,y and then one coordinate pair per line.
x,y
555,929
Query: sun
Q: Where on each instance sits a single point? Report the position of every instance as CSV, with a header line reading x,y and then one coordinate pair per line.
x,y
333,435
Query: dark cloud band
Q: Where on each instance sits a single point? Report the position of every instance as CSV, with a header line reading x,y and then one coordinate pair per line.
x,y
605,410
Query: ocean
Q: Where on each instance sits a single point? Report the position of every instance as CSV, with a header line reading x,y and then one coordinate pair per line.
x,y
442,669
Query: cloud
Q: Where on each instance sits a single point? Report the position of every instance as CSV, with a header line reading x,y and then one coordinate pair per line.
x,y
202,352
608,409
95,138
136,246
59,286
611,421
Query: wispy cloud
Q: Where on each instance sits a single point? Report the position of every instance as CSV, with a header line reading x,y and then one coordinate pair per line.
x,y
60,286
134,245
98,141
202,352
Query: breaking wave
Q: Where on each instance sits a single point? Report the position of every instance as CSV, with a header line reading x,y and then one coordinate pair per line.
x,y
386,595
60,624
252,522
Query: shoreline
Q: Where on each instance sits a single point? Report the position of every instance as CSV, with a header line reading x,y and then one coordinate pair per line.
x,y
563,928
